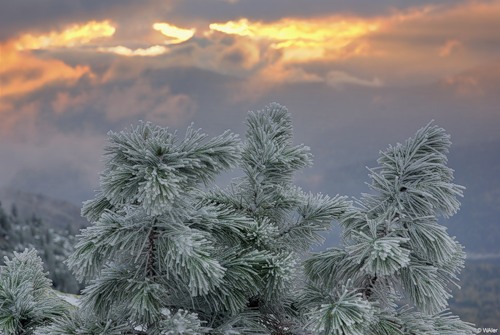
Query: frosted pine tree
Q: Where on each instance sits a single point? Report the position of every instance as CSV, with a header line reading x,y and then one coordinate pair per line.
x,y
26,298
397,265
287,222
152,253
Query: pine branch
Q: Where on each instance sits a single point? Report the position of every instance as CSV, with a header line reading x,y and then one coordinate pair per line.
x,y
151,253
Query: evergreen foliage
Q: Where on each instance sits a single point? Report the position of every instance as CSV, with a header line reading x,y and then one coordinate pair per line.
x,y
169,253
395,255
26,298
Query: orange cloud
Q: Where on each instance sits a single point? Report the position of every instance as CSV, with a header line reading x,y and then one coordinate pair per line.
x,y
75,35
413,45
151,51
23,72
175,35
139,99
302,39
449,47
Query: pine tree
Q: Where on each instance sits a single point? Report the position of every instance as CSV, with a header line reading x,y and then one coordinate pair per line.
x,y
53,246
287,221
26,298
394,272
156,255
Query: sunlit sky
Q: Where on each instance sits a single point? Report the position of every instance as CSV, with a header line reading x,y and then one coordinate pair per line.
x,y
356,76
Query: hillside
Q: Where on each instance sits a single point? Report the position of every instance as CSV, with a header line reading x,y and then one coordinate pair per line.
x,y
55,213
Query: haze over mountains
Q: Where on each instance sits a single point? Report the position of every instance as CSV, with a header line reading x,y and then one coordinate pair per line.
x,y
55,213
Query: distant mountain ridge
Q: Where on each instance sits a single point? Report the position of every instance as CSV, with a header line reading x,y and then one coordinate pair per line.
x,y
55,213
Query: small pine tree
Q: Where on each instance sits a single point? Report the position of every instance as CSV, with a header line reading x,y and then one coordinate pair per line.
x,y
156,254
53,246
395,269
26,298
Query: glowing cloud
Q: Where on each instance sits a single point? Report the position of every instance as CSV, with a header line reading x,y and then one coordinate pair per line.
x,y
302,39
242,28
24,72
18,68
70,37
154,50
174,34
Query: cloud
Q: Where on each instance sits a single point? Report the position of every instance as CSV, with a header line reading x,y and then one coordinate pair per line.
x,y
75,35
436,43
65,166
23,72
18,122
477,84
304,40
127,101
174,34
337,79
152,51
343,71
409,45
464,85
292,74
449,47
142,100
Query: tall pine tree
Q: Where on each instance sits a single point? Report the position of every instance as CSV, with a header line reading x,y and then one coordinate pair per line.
x,y
287,222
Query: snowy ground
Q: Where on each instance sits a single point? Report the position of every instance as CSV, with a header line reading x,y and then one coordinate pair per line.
x,y
73,299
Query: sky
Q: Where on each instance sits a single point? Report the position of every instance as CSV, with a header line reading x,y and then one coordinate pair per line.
x,y
355,75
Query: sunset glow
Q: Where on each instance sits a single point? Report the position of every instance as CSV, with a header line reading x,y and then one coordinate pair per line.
x,y
154,50
17,68
302,40
175,35
19,64
70,37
